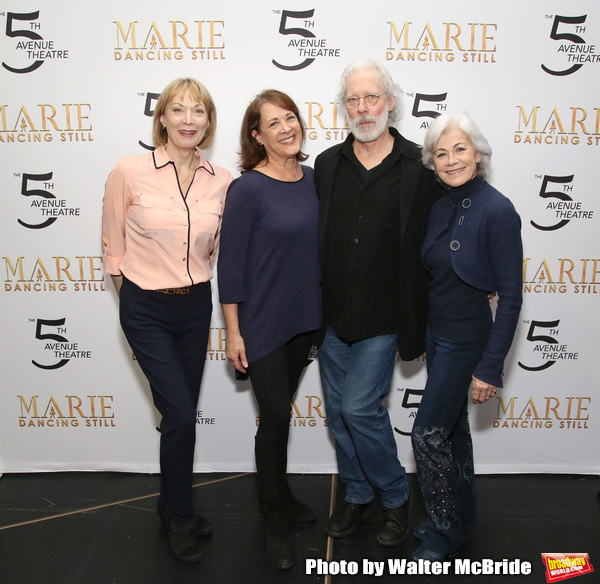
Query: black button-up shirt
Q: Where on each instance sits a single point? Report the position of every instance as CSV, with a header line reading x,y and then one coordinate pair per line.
x,y
361,278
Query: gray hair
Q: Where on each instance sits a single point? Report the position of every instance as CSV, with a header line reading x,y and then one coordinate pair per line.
x,y
385,80
464,123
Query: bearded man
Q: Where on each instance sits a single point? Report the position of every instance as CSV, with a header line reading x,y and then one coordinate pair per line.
x,y
374,197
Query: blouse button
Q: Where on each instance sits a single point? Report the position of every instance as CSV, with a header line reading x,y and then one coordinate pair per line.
x,y
460,221
466,203
454,245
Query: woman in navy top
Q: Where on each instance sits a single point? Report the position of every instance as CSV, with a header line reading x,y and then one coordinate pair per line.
x,y
269,286
473,246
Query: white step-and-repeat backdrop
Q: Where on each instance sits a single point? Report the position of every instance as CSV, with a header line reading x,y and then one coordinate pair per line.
x,y
79,82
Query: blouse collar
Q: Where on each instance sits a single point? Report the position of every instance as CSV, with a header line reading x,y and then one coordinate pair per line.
x,y
161,159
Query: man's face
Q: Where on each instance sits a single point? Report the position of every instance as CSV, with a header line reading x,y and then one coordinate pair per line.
x,y
367,123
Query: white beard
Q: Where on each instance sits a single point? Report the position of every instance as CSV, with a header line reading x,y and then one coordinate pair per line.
x,y
371,133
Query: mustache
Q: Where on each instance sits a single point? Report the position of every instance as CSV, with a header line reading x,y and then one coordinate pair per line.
x,y
365,119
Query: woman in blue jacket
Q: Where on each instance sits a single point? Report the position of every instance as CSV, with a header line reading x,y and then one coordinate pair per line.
x,y
473,247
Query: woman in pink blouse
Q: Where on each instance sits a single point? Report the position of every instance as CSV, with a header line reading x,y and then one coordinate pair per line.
x,y
161,224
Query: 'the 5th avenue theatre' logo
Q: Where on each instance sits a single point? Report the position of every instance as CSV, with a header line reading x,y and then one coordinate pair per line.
x,y
560,207
151,99
55,348
573,51
30,49
304,46
546,345
411,398
428,106
44,206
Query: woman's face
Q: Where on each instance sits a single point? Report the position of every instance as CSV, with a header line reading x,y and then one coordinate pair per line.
x,y
186,122
455,158
279,132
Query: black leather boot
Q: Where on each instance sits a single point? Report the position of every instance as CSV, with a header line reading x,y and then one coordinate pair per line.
x,y
271,458
280,550
182,542
298,511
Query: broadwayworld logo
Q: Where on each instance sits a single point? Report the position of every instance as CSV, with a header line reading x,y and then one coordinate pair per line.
x,y
562,566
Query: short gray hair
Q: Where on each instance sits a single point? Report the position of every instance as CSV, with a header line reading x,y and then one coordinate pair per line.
x,y
385,80
464,123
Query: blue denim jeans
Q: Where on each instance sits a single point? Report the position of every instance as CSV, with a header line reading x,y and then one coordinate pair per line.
x,y
356,379
442,443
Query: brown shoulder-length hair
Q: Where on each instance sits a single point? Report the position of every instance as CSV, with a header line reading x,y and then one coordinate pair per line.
x,y
172,91
252,153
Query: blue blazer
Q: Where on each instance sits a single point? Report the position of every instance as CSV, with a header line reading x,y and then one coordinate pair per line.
x,y
486,253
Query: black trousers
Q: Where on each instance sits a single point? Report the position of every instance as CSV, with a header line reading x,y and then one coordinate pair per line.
x,y
275,379
169,336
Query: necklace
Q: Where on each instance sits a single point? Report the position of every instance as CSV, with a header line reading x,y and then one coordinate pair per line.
x,y
187,177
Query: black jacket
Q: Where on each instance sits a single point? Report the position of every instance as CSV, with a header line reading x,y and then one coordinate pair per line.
x,y
418,191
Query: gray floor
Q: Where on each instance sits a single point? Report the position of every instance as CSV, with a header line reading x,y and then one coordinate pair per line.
x,y
102,528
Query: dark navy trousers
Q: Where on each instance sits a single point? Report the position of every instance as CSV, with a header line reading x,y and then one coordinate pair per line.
x,y
169,335
442,444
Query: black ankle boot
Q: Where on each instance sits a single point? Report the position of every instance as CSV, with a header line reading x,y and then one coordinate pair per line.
x,y
271,457
280,550
182,542
298,511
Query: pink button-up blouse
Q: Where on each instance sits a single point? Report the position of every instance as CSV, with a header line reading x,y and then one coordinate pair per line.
x,y
152,233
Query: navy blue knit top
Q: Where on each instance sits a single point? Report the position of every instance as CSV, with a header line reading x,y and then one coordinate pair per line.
x,y
483,232
268,260
457,311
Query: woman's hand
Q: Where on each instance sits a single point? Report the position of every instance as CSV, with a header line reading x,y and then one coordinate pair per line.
x,y
118,282
482,391
236,352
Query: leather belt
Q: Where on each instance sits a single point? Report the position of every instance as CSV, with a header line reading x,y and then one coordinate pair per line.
x,y
177,291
